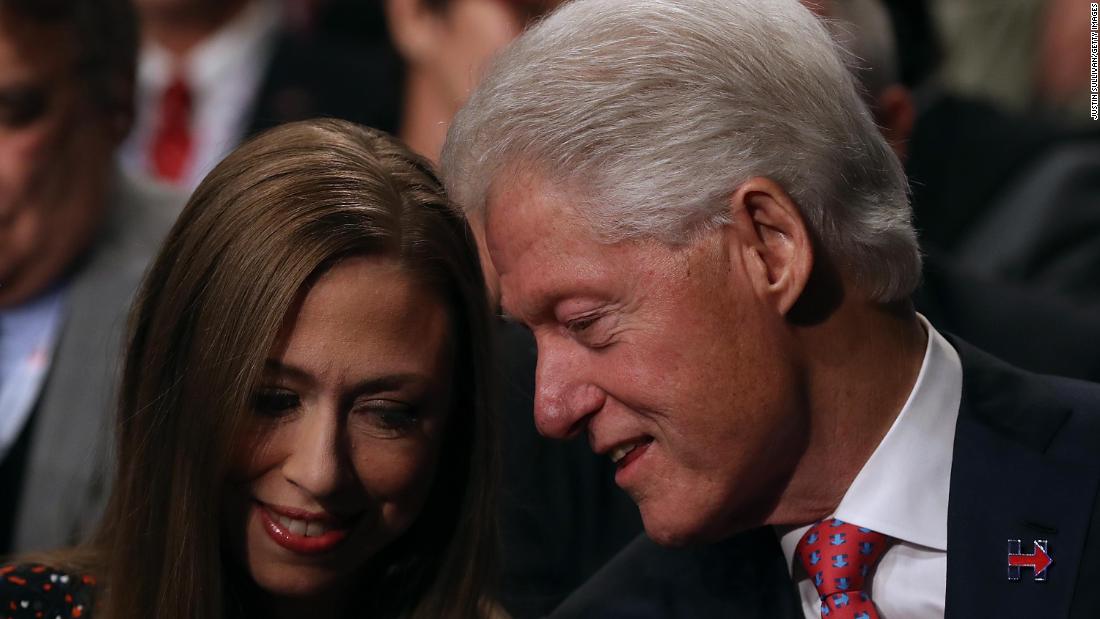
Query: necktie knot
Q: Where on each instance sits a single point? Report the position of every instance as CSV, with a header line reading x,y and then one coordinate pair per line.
x,y
839,557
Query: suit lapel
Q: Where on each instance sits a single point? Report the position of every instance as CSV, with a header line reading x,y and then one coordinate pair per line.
x,y
1006,484
762,586
70,446
68,462
743,576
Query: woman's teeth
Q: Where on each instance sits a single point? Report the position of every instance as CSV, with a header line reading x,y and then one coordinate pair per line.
x,y
303,527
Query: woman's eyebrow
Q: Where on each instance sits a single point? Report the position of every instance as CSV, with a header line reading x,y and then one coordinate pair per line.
x,y
276,366
392,382
374,384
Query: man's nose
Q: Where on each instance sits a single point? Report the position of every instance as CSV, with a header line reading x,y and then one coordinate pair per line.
x,y
316,463
564,397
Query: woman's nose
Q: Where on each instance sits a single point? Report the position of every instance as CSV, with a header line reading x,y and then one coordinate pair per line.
x,y
315,462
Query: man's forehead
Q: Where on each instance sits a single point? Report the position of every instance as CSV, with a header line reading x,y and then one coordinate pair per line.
x,y
522,209
538,244
29,48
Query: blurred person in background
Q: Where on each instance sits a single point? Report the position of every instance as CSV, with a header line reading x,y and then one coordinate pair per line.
x,y
1062,78
445,45
75,236
304,427
214,72
997,194
1034,329
1028,57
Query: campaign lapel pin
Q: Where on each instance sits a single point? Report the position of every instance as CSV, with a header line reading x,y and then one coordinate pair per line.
x,y
1038,561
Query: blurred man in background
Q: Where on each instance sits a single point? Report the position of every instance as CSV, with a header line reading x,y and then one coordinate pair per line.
x,y
214,72
75,236
1034,329
445,46
1000,192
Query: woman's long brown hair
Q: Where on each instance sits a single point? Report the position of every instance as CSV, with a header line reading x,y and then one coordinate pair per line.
x,y
276,212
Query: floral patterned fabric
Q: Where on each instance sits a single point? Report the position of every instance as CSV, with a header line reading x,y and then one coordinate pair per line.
x,y
38,592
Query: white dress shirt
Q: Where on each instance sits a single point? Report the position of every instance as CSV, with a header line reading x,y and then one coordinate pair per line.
x,y
28,337
224,74
902,492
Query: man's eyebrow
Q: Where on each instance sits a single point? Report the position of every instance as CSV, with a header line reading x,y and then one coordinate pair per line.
x,y
22,92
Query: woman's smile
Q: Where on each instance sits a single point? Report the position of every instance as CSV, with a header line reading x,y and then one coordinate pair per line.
x,y
302,532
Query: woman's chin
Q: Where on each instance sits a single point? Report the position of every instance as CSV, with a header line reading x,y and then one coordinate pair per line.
x,y
293,581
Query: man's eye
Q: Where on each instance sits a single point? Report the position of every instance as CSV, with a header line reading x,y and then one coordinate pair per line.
x,y
275,402
21,107
587,330
581,325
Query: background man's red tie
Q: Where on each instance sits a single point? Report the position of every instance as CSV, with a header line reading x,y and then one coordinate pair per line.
x,y
839,557
172,144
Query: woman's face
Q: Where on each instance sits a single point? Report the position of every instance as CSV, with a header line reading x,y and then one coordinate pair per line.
x,y
346,429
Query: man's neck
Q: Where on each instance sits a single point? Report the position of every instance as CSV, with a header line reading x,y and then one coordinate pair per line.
x,y
862,364
178,32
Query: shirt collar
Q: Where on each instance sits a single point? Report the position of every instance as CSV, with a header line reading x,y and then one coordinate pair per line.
x,y
243,42
903,488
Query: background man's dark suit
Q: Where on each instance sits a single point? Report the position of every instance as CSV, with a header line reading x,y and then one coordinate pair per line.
x,y
309,77
1025,467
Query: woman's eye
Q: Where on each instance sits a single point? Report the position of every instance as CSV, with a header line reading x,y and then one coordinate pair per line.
x,y
389,417
275,402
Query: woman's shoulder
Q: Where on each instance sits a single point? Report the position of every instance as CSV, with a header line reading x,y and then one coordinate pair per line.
x,y
35,591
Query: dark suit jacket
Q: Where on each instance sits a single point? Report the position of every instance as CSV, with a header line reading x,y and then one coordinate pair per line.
x,y
1008,197
1026,466
309,77
1035,331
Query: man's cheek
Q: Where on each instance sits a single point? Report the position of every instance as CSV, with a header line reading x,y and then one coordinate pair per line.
x,y
20,239
26,158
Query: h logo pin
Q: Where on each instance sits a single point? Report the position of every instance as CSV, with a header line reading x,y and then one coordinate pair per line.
x,y
1038,561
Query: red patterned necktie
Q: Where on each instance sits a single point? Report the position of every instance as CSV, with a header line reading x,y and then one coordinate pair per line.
x,y
172,142
839,557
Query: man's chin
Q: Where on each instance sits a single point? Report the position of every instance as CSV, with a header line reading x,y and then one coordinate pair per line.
x,y
675,526
682,530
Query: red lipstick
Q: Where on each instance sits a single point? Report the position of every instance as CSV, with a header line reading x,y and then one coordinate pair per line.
x,y
296,542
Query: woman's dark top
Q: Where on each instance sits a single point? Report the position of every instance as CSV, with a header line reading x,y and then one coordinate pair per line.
x,y
32,591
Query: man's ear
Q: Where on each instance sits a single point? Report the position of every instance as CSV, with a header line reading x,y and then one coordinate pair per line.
x,y
413,28
768,232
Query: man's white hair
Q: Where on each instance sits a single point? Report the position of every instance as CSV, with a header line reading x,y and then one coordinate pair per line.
x,y
651,113
863,28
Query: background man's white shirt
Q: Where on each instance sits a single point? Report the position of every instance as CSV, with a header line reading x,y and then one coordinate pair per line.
x,y
28,337
224,74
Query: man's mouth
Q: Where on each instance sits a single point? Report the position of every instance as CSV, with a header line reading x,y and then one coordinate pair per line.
x,y
625,453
